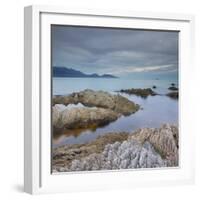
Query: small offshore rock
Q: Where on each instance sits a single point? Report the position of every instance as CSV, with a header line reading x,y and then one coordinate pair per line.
x,y
173,88
173,84
139,92
173,95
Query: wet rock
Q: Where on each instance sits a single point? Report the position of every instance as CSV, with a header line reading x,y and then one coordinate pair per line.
x,y
173,88
173,95
154,87
139,92
99,99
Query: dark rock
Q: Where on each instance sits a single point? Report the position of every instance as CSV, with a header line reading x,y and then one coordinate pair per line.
x,y
173,88
173,95
140,92
154,87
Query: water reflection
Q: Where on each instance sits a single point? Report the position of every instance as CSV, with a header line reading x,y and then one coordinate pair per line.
x,y
155,111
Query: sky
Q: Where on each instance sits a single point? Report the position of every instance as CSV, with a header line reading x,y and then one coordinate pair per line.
x,y
120,52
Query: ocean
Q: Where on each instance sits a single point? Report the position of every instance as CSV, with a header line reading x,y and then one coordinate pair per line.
x,y
156,110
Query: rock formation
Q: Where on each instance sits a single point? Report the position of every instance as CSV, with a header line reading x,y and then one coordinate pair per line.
x,y
144,148
99,99
82,117
173,95
64,155
126,155
173,88
139,92
173,84
164,140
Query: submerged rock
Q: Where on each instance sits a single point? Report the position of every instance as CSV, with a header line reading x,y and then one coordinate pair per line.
x,y
82,117
173,95
99,99
173,88
144,148
139,92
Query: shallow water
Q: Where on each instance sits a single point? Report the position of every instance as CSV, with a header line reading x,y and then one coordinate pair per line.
x,y
156,110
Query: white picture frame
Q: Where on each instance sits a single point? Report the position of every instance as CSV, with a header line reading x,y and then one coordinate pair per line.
x,y
37,134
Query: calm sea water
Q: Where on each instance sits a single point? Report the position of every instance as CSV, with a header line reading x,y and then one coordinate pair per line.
x,y
156,110
62,86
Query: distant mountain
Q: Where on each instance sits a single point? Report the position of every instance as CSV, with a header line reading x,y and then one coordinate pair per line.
x,y
72,73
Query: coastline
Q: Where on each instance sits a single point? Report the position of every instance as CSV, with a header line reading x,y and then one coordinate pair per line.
x,y
99,113
146,147
143,148
114,104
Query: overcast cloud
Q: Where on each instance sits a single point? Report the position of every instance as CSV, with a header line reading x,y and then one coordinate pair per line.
x,y
116,51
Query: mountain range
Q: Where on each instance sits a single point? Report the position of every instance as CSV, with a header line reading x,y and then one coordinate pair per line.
x,y
72,73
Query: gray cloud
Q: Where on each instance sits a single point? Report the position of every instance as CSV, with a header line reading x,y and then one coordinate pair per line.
x,y
102,50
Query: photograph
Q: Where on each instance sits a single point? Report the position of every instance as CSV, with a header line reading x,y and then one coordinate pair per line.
x,y
114,98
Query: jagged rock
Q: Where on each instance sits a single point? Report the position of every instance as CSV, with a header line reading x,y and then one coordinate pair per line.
x,y
63,156
144,148
82,117
126,155
99,99
139,92
164,140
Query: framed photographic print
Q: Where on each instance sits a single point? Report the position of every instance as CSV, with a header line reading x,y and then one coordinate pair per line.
x,y
106,99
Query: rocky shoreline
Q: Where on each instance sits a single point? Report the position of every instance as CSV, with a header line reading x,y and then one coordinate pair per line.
x,y
143,148
100,108
89,109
